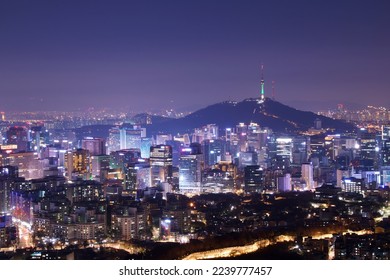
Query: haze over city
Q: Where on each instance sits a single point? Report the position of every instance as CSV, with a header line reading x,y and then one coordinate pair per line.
x,y
67,55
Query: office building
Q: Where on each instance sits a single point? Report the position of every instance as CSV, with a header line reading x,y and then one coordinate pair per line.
x,y
160,164
214,151
284,183
95,146
253,178
78,164
190,170
307,175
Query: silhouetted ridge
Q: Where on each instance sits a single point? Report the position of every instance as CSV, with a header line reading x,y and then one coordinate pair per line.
x,y
272,114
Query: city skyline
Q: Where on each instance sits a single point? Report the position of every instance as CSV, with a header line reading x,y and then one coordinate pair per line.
x,y
74,55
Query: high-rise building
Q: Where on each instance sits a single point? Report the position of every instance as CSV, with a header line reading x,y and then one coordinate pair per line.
x,y
18,135
122,158
301,149
254,178
385,172
146,143
7,173
242,133
131,137
317,146
176,150
254,137
214,151
143,176
369,149
37,140
307,175
190,170
232,143
284,183
160,164
284,147
100,166
136,179
95,146
130,180
385,153
113,141
78,164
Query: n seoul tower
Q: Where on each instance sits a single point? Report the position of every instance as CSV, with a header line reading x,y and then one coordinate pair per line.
x,y
262,95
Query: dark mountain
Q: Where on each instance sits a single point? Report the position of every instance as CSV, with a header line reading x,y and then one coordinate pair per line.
x,y
272,114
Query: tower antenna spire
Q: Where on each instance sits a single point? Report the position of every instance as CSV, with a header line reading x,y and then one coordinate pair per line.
x,y
262,93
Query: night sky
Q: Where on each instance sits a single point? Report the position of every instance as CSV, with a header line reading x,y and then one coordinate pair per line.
x,y
142,55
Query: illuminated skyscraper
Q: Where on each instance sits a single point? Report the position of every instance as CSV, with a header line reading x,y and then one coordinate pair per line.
x,y
7,174
37,139
95,146
385,153
146,143
78,164
131,137
160,164
284,147
190,170
284,183
113,141
254,179
100,165
301,149
176,150
307,175
242,132
214,151
369,149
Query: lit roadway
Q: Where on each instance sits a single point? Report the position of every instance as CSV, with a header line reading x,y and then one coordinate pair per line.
x,y
238,250
126,247
25,235
246,249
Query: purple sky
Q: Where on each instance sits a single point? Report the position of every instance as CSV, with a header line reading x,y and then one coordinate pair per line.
x,y
144,55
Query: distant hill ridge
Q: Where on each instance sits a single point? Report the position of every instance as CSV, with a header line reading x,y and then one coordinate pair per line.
x,y
270,113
